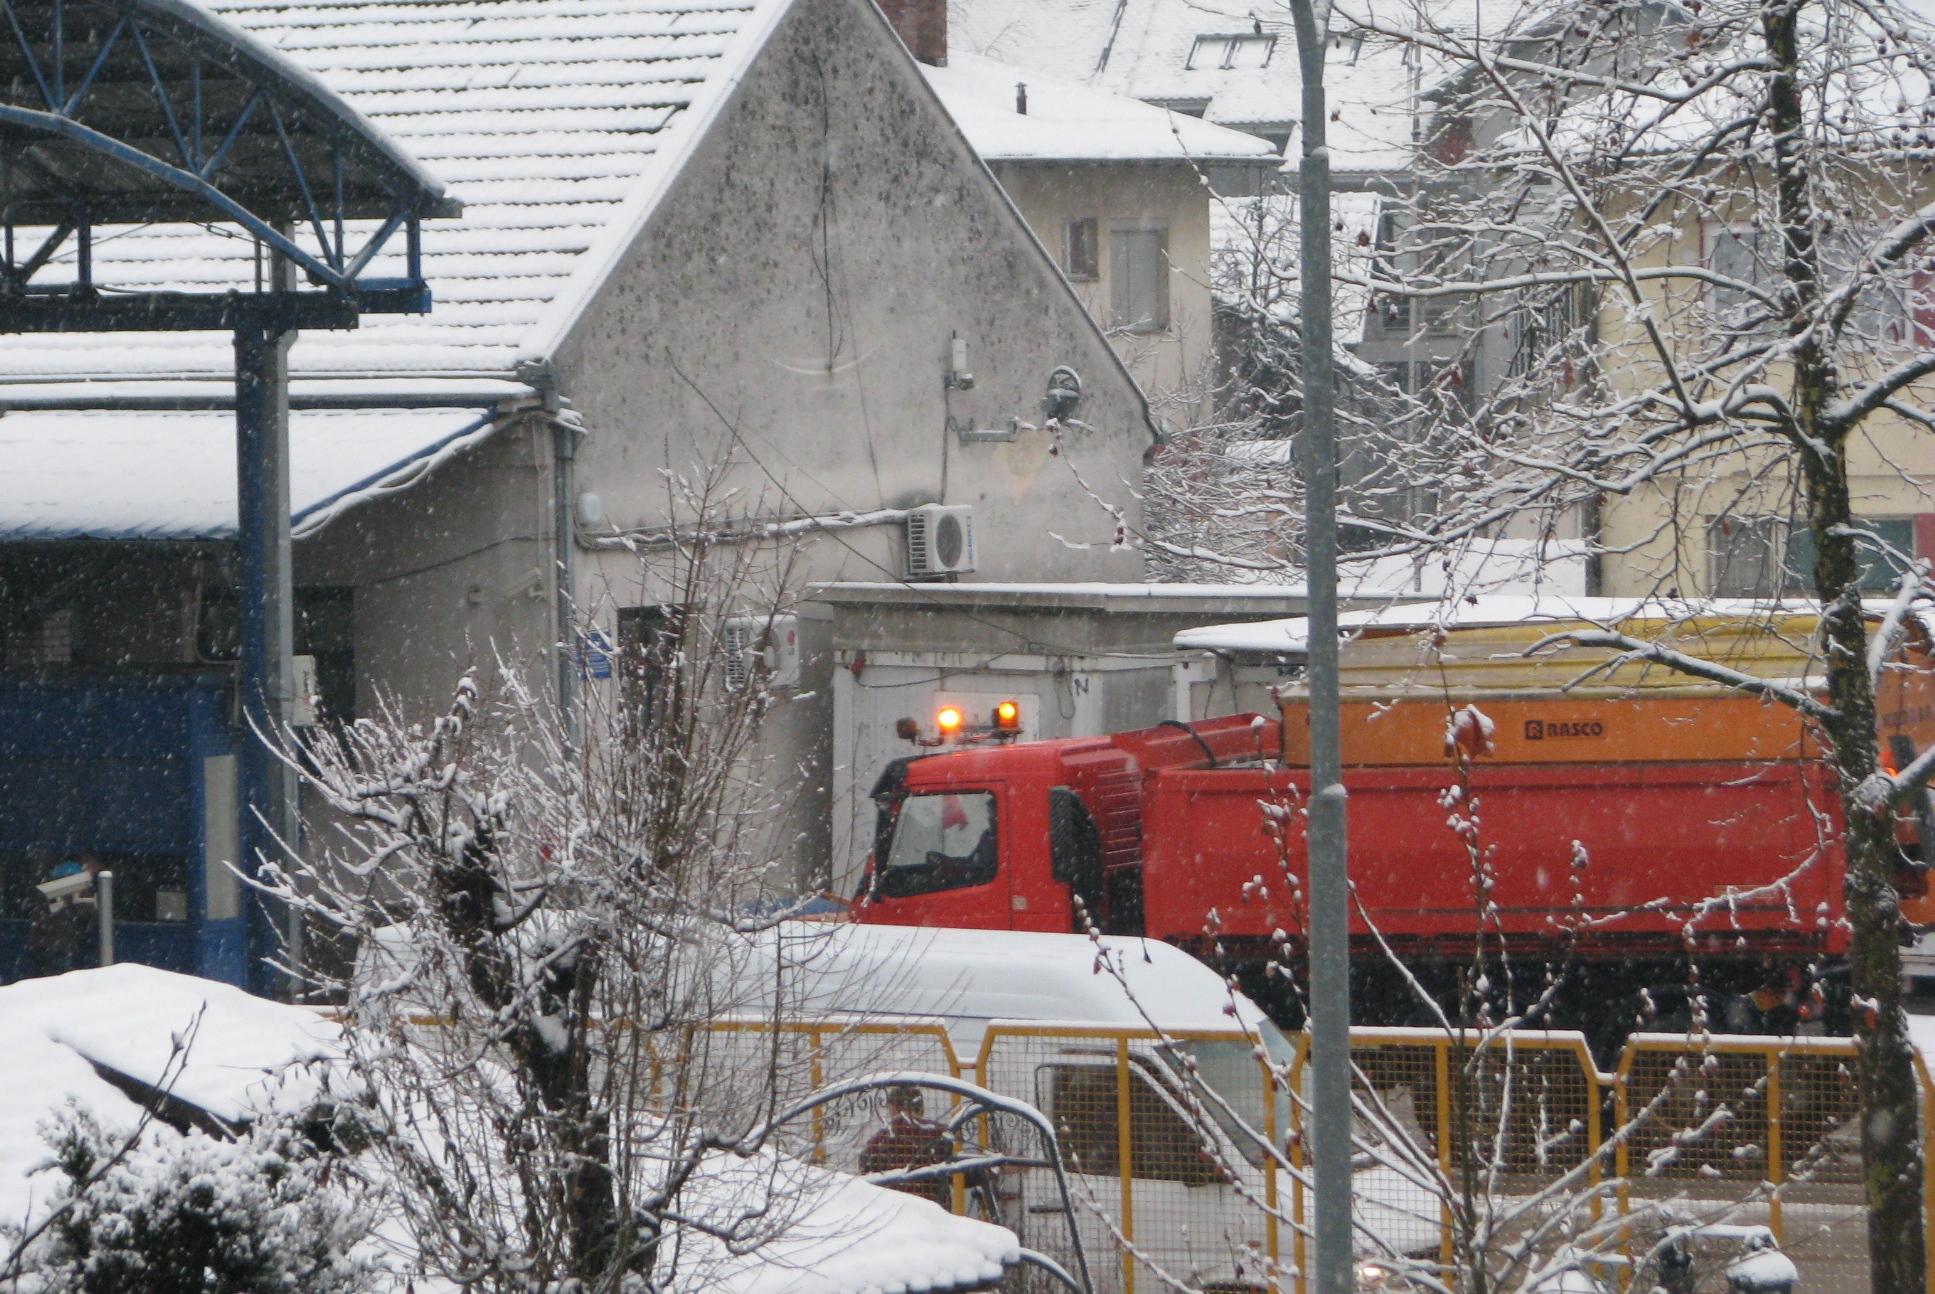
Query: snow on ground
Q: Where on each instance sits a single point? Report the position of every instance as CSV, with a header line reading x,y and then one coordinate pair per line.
x,y
248,1056
844,1234
1921,1033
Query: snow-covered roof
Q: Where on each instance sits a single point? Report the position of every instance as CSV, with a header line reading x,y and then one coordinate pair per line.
x,y
1066,121
1470,612
557,123
170,474
1479,567
1234,59
1097,593
969,978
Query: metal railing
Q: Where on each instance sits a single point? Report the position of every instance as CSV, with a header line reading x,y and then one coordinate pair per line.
x,y
1186,1152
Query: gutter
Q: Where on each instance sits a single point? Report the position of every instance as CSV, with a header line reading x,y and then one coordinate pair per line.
x,y
218,403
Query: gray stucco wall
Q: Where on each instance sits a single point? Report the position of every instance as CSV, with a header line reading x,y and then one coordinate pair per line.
x,y
801,283
448,573
787,315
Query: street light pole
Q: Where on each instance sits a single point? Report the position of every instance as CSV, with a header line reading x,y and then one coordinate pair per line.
x,y
1329,884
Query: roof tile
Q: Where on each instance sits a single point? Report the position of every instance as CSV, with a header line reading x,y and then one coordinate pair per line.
x,y
542,116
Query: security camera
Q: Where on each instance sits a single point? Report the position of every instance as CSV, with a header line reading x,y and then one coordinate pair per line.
x,y
1064,393
66,889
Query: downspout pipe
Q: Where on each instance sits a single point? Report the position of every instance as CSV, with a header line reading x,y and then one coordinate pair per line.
x,y
564,490
564,476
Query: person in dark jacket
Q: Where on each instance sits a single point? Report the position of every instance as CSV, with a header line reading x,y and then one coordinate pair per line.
x,y
909,1141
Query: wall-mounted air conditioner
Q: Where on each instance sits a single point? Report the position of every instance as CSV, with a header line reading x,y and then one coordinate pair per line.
x,y
761,648
940,540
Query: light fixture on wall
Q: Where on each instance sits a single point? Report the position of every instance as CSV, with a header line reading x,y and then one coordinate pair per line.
x,y
591,510
957,377
1064,393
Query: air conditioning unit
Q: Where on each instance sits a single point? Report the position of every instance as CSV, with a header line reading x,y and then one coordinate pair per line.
x,y
766,648
940,540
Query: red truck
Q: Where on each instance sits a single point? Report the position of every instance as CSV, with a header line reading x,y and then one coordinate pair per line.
x,y
1619,833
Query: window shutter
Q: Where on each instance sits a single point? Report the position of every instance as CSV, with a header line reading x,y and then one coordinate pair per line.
x,y
1923,304
1122,292
1139,279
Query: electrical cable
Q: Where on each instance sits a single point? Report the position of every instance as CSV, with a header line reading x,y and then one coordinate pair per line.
x,y
1022,640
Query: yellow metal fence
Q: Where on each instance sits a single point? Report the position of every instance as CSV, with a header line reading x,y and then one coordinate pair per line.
x,y
1166,1140
1185,1152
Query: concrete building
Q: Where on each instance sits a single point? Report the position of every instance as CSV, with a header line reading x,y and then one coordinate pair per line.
x,y
741,241
1735,525
1116,190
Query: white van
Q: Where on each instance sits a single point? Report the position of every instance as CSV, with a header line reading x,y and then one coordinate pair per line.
x,y
1039,1017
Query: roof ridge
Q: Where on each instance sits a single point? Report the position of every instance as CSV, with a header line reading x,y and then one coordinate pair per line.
x,y
599,260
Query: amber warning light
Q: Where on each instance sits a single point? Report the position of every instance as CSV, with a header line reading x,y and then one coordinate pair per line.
x,y
951,725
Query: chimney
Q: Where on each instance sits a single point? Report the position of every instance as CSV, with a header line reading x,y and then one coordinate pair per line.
x,y
922,25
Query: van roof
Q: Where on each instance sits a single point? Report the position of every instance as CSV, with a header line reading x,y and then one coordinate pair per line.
x,y
985,975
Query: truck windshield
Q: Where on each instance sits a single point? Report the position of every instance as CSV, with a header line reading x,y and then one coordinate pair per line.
x,y
1250,1110
940,841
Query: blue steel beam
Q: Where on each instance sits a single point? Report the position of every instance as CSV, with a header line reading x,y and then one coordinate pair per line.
x,y
174,177
267,784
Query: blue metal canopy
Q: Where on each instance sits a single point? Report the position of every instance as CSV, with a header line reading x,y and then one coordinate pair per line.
x,y
117,113
122,112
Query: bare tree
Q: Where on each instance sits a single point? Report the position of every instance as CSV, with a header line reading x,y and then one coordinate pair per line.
x,y
1702,235
1687,249
541,919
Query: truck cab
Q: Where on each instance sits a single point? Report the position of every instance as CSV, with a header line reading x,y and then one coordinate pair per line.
x,y
1043,836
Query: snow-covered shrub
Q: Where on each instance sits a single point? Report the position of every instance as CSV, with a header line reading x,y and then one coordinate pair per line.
x,y
264,1212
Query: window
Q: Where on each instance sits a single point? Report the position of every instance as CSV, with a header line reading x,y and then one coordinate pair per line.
x,y
1246,49
1884,311
1744,556
942,841
1441,386
1231,1070
1080,255
1540,323
325,628
1442,320
1753,557
1163,1146
1394,312
1882,553
649,655
1139,277
1750,257
1921,306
